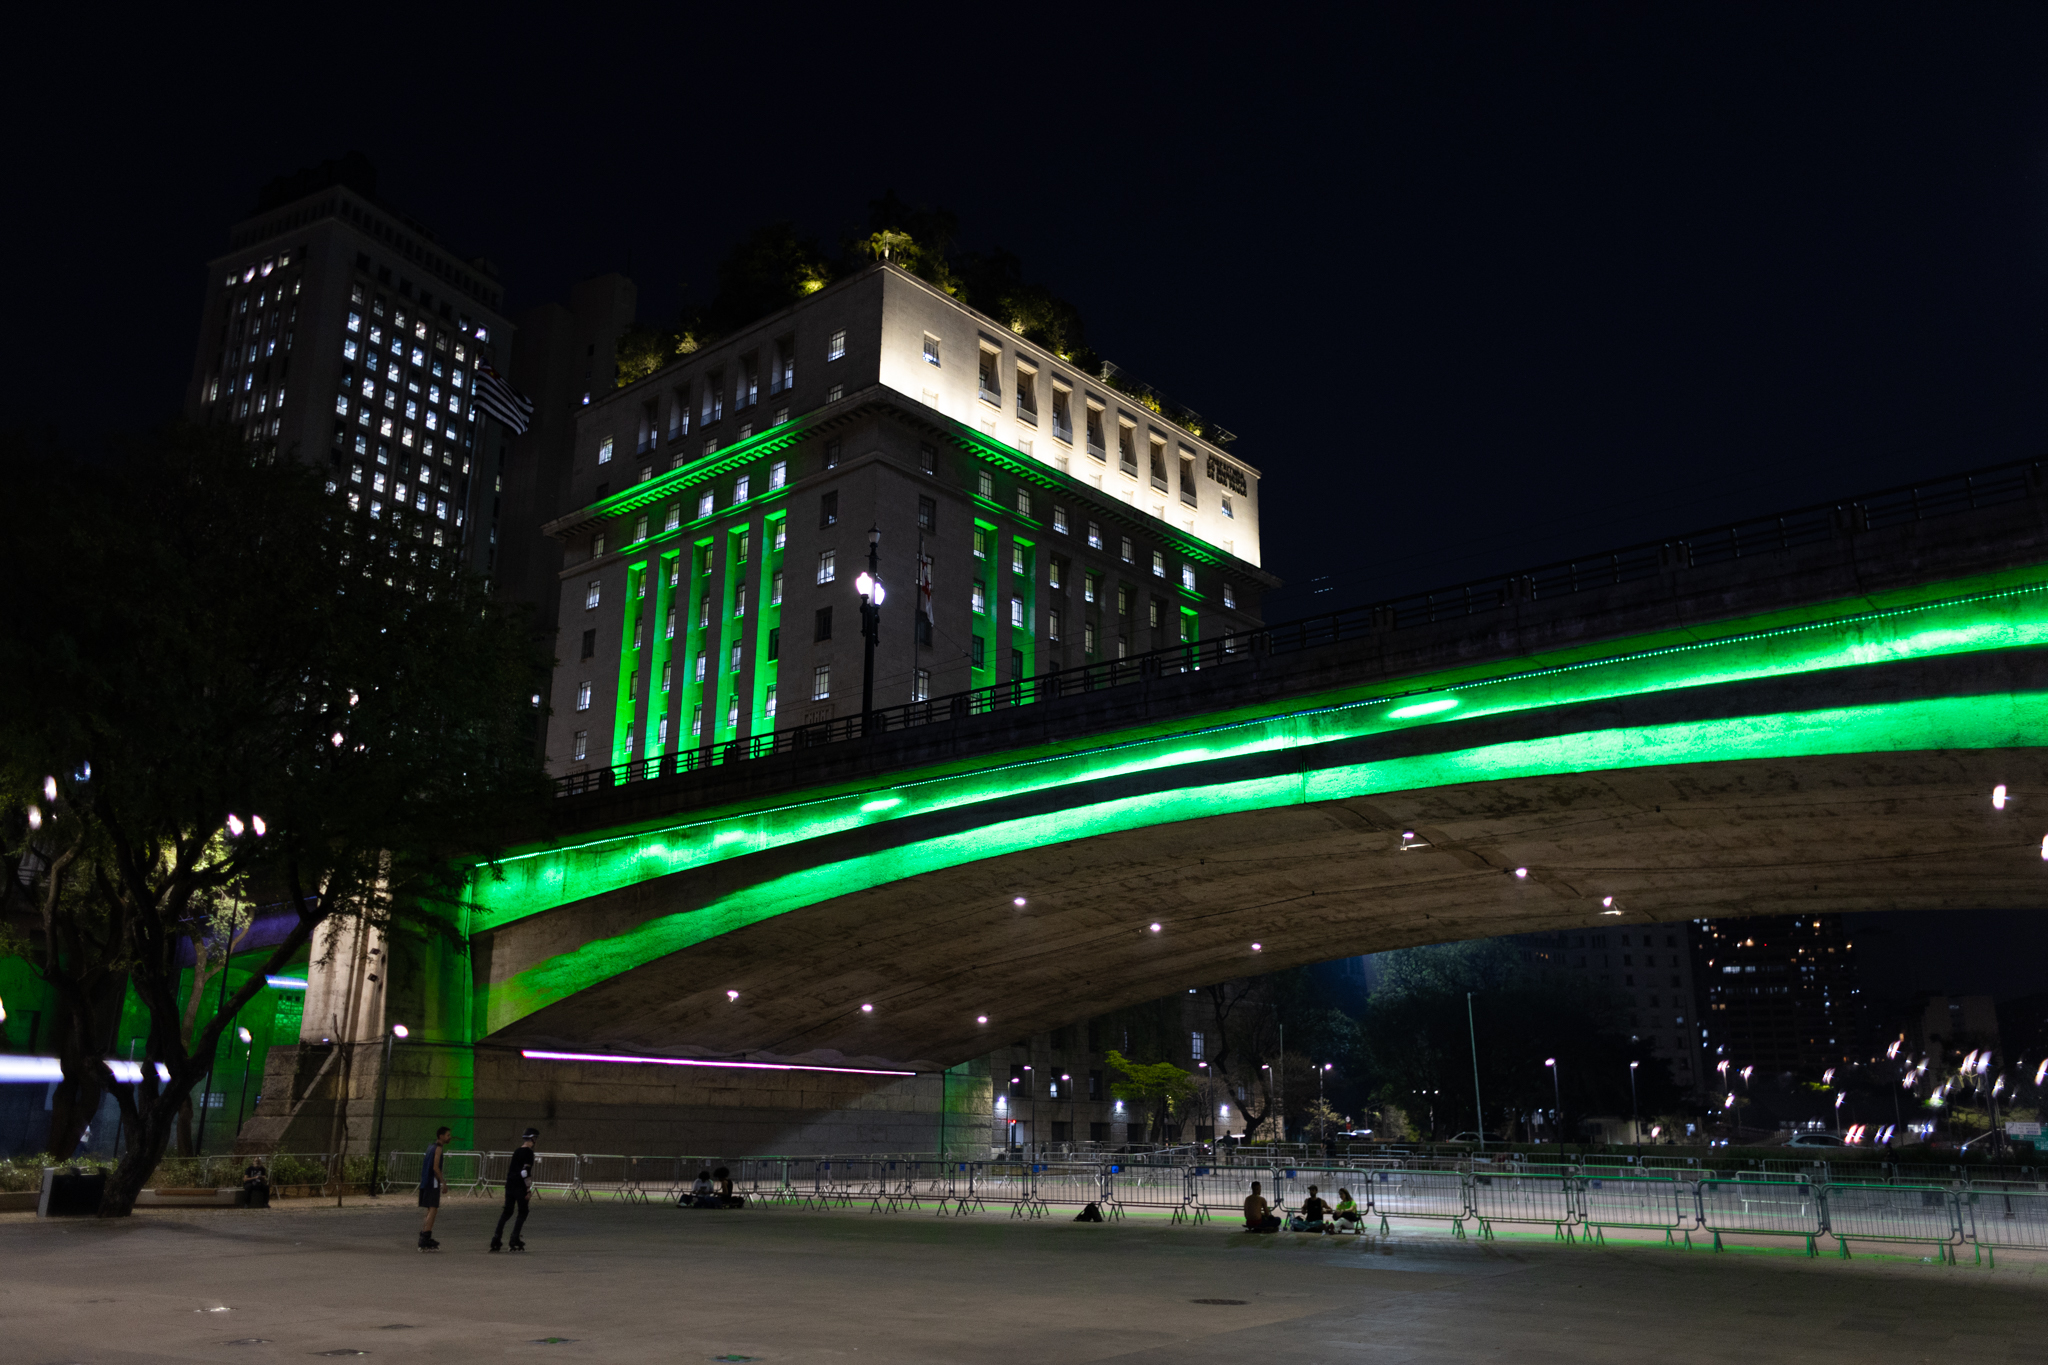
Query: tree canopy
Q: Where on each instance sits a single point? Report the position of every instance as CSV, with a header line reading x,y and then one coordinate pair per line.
x,y
218,683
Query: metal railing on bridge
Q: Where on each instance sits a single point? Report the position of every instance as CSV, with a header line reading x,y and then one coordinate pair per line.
x,y
1992,486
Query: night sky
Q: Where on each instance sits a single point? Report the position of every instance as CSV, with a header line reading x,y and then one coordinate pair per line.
x,y
1476,286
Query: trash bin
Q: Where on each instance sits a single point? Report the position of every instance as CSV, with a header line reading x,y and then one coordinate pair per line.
x,y
71,1193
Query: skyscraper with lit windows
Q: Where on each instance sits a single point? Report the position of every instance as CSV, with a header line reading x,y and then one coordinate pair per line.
x,y
339,332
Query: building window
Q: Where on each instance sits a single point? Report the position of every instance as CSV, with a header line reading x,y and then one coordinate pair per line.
x,y
743,546
1063,413
836,347
675,516
1187,478
1090,585
739,488
985,484
768,702
1127,448
828,511
921,684
1158,564
704,504
1094,536
1123,601
733,663
781,532
1052,626
1224,504
698,672
1088,637
697,719
775,589
990,382
583,696
1127,550
774,643
931,349
640,528
591,594
1016,557
827,566
582,747
821,682
1152,613
927,514
977,652
778,474
821,624
980,542
604,451
1017,613
1187,577
928,459
980,597
835,393
1156,451
1027,393
668,675
1229,596
589,644
1024,501
1059,520
831,454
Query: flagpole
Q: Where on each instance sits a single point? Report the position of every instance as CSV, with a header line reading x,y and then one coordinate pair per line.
x,y
917,611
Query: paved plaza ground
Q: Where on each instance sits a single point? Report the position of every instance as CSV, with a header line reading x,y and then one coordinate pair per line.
x,y
623,1283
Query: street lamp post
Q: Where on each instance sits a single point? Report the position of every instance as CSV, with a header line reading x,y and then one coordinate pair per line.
x,y
248,1052
1557,1114
1478,1104
391,1037
869,585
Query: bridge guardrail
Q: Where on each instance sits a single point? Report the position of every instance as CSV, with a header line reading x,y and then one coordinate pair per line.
x,y
1994,485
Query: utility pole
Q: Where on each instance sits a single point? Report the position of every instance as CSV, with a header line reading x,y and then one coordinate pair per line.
x,y
1477,1103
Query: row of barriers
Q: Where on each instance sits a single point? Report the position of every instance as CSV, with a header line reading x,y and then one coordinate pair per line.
x,y
1576,1205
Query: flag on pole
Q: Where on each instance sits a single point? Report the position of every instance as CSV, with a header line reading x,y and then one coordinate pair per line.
x,y
502,401
924,586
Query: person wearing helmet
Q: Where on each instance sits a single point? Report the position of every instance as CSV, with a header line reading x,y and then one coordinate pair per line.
x,y
518,1191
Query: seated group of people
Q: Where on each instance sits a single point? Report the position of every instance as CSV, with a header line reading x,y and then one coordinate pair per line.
x,y
1317,1214
705,1195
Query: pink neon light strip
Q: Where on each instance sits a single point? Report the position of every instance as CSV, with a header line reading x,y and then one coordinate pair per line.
x,y
692,1061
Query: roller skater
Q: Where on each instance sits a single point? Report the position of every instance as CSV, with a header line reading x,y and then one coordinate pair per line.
x,y
518,1191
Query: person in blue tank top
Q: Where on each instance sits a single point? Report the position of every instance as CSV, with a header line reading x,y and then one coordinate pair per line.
x,y
432,1182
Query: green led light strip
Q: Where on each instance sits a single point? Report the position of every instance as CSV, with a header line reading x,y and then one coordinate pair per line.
x,y
1935,724
534,882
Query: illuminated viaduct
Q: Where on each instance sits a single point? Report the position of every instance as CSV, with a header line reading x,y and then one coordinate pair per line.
x,y
1806,713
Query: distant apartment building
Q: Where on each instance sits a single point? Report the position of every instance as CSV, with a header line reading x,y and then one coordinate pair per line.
x,y
340,332
1778,992
1025,517
1647,971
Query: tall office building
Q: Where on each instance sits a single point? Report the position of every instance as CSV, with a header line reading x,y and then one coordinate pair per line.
x,y
1025,517
340,332
1778,992
1647,971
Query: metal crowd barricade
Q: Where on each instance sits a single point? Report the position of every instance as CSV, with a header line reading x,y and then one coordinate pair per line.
x,y
1655,1202
763,1179
1416,1194
401,1170
1069,1184
1221,1189
1779,1208
1892,1213
552,1171
1141,1185
491,1172
1006,1182
462,1170
653,1177
1513,1197
609,1175
2011,1218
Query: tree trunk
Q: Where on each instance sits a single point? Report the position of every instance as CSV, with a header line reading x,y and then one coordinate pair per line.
x,y
82,1038
149,1136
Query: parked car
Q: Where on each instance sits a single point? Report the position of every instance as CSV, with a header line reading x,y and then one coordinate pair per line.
x,y
1814,1140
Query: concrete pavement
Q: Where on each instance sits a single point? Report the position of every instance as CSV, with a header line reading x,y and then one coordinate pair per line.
x,y
634,1283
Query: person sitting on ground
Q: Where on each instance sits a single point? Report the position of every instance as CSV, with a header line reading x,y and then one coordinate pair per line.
x,y
1256,1217
1347,1211
256,1186
1091,1214
725,1197
701,1195
1310,1219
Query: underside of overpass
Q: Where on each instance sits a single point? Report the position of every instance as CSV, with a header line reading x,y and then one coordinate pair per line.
x,y
1833,755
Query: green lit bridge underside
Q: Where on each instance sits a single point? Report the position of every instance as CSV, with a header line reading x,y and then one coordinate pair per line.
x,y
1840,757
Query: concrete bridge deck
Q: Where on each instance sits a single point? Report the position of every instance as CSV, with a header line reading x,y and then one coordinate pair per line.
x,y
1815,726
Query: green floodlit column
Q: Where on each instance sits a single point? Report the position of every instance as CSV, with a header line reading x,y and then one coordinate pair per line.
x,y
759,718
632,650
662,625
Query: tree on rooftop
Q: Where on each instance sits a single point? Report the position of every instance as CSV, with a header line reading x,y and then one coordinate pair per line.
x,y
224,642
768,270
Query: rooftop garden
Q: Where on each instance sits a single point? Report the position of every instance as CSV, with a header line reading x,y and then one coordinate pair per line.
x,y
774,266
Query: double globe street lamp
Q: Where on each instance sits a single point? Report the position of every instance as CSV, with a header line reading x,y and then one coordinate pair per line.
x,y
869,586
